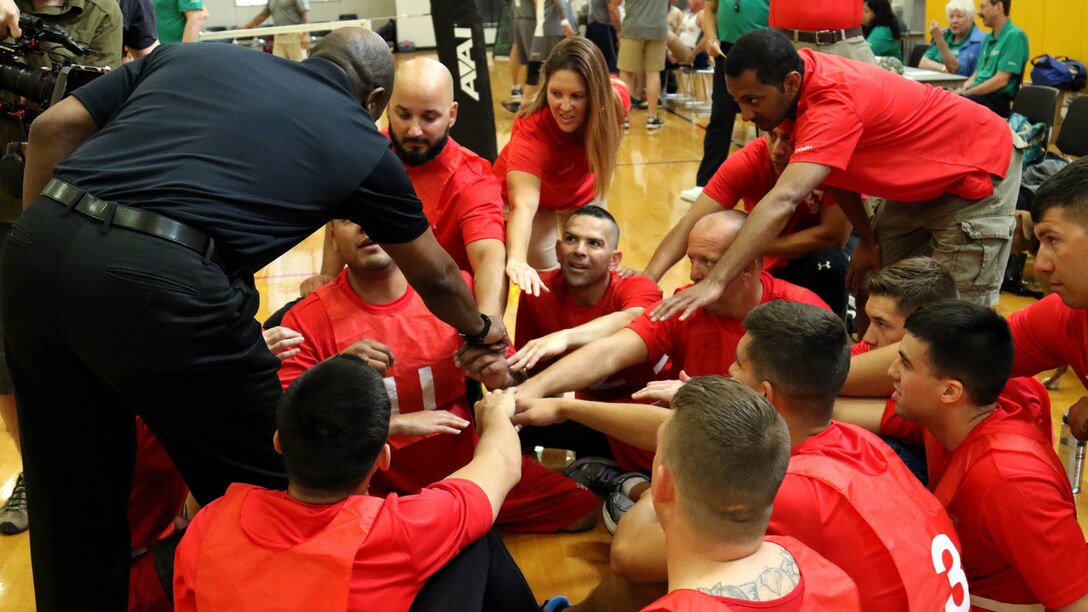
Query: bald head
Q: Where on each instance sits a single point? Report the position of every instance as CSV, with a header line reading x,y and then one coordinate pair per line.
x,y
719,228
365,58
424,79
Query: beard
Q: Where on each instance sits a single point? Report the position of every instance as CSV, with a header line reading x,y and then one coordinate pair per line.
x,y
418,158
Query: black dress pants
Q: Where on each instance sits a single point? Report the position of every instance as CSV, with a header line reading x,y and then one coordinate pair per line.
x,y
483,577
101,324
719,131
824,273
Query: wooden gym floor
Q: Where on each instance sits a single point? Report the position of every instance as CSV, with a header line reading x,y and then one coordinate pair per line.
x,y
654,167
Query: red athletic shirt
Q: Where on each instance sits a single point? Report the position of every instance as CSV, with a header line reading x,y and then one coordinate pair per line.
x,y
705,344
831,589
848,496
423,376
748,175
462,199
888,136
537,146
813,16
1009,496
258,545
555,310
1048,334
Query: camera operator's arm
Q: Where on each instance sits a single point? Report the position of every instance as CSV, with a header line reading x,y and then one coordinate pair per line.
x,y
53,137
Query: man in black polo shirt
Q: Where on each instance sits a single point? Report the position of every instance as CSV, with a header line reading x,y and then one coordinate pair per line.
x,y
221,159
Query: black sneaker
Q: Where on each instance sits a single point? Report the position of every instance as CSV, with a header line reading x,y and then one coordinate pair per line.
x,y
594,473
513,107
13,517
613,510
516,92
555,604
653,123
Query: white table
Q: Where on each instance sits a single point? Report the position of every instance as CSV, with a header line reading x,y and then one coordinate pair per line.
x,y
286,29
937,79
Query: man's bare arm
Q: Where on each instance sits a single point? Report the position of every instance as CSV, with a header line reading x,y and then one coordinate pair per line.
x,y
868,375
863,412
675,243
763,225
638,548
488,260
496,462
831,233
635,424
434,275
565,340
53,137
194,23
591,363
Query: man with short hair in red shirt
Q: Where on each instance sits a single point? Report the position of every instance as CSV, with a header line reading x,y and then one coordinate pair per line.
x,y
1000,480
371,311
461,197
327,544
721,458
585,299
860,129
809,249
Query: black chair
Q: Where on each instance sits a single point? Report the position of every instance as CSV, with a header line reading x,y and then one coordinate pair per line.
x,y
916,55
1036,102
1073,136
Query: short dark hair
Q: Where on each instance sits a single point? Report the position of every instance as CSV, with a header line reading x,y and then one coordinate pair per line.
x,y
728,450
1006,5
968,343
913,283
1067,189
333,422
767,52
592,210
803,350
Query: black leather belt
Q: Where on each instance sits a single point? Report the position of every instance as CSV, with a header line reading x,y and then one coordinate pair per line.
x,y
820,37
143,221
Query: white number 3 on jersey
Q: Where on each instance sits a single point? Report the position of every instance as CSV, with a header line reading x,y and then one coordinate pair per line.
x,y
942,544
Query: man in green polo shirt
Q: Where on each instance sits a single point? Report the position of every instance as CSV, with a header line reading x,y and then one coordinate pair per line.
x,y
1001,61
179,20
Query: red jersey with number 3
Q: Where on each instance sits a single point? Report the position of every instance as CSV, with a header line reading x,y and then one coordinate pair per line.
x,y
848,496
1009,495
821,585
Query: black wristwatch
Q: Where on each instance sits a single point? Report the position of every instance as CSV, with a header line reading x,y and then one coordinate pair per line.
x,y
478,338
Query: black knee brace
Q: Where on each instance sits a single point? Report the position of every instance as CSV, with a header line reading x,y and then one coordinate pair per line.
x,y
532,73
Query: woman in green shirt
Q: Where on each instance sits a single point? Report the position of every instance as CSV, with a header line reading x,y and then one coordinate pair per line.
x,y
881,29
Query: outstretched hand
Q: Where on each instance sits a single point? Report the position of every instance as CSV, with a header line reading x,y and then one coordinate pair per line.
x,y
687,301
282,341
661,391
426,422
376,355
525,277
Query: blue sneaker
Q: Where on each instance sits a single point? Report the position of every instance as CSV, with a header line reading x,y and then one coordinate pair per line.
x,y
555,604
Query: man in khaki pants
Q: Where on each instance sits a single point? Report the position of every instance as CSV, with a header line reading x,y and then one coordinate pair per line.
x,y
293,46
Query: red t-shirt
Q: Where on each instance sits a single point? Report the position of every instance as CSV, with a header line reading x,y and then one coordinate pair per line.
x,y
814,16
409,539
748,175
704,344
537,146
555,310
1048,334
1009,496
831,589
423,376
888,136
848,496
462,198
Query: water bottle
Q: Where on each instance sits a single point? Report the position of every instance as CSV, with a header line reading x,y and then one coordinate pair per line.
x,y
1071,451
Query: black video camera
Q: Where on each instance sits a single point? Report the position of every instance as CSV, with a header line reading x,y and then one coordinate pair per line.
x,y
38,85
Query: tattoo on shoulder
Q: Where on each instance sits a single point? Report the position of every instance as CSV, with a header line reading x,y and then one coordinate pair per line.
x,y
772,583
